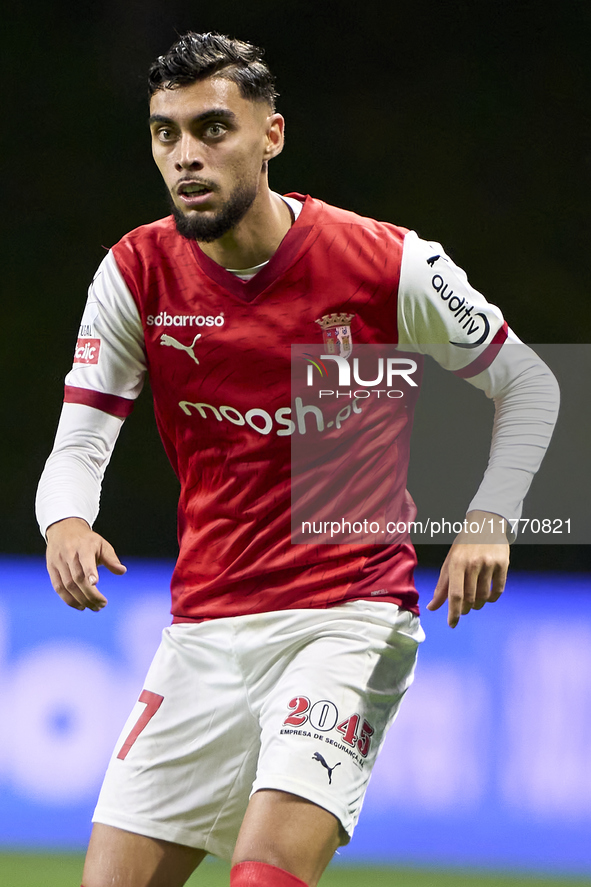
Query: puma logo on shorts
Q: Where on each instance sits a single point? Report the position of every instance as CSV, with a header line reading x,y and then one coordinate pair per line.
x,y
318,757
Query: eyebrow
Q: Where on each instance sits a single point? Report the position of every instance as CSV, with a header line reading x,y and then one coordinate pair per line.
x,y
217,113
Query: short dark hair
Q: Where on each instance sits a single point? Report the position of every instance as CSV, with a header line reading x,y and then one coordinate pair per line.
x,y
197,56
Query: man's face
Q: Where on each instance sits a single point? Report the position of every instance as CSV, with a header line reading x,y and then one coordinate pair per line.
x,y
210,145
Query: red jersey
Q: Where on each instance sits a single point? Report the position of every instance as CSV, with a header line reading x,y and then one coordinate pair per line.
x,y
226,420
218,351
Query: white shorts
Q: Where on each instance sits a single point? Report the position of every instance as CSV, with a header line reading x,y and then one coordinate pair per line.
x,y
295,700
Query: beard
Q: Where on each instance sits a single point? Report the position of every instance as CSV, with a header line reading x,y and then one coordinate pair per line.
x,y
195,226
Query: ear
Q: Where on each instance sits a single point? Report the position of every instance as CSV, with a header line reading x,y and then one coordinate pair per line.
x,y
274,136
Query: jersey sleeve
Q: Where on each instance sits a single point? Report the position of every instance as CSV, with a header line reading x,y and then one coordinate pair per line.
x,y
70,485
109,359
442,315
526,397
106,377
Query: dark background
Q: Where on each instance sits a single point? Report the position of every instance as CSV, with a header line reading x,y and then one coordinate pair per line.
x,y
468,121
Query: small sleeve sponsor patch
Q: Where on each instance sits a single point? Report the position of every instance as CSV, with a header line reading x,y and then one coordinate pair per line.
x,y
91,313
87,350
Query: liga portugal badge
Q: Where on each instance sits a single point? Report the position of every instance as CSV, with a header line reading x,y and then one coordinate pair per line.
x,y
336,332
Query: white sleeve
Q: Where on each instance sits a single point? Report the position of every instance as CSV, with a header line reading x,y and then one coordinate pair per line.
x,y
526,398
70,485
440,314
110,355
106,377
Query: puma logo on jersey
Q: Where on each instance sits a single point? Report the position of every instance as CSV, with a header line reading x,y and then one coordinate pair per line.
x,y
165,339
318,757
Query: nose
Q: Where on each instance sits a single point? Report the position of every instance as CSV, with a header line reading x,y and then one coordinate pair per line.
x,y
189,153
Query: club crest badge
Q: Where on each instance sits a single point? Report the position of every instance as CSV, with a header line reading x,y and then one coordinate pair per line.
x,y
336,332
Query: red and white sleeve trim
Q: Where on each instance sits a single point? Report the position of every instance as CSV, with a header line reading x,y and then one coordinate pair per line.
x,y
484,360
108,403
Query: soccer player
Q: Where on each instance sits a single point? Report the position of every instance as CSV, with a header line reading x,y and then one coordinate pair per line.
x,y
270,695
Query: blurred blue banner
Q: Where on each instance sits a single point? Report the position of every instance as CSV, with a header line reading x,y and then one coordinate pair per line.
x,y
488,764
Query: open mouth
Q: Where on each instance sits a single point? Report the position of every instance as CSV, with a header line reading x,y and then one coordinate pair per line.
x,y
191,189
193,194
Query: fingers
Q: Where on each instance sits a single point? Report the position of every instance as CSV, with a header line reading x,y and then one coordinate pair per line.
x,y
75,582
450,587
499,581
440,593
477,582
456,594
108,558
74,553
59,588
471,576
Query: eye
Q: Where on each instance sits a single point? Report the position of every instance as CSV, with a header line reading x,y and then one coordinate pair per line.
x,y
164,134
215,130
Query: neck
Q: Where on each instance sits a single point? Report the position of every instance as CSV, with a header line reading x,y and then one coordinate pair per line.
x,y
256,237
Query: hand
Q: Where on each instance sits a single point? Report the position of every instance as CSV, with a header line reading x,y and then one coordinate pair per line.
x,y
475,569
74,552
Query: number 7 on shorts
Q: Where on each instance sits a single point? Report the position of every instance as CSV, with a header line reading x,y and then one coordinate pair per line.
x,y
153,702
